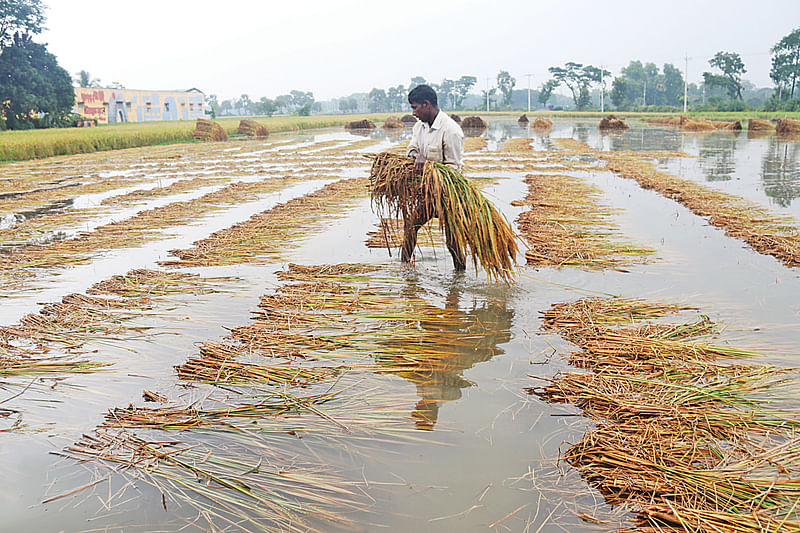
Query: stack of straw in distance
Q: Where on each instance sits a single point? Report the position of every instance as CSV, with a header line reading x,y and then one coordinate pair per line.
x,y
252,128
206,130
442,191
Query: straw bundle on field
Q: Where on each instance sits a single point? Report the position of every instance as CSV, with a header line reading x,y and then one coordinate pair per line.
x,y
392,123
691,124
756,124
206,130
474,122
787,126
444,193
408,120
456,118
612,123
541,124
731,125
364,124
523,120
252,128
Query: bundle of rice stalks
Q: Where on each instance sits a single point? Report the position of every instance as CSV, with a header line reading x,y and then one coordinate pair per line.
x,y
475,143
612,123
143,283
456,118
542,125
787,126
252,128
206,130
392,123
474,123
314,272
390,234
408,120
517,144
523,120
757,124
692,124
471,220
364,124
733,125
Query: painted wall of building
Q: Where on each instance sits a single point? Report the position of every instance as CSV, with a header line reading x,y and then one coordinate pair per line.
x,y
109,106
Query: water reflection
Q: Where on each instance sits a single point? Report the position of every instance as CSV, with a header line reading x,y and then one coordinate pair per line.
x,y
450,341
780,171
717,156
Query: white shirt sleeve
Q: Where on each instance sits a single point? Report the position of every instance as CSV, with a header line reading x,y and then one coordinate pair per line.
x,y
453,141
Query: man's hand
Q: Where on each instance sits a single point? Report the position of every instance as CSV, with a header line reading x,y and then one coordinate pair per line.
x,y
419,164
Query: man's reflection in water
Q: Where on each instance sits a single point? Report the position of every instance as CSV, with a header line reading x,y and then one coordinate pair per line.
x,y
449,342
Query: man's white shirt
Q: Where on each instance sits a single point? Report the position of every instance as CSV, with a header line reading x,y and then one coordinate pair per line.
x,y
443,141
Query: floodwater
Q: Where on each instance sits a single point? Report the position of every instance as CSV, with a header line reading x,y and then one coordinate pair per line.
x,y
476,452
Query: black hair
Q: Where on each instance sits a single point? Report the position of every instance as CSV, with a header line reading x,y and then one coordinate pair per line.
x,y
420,93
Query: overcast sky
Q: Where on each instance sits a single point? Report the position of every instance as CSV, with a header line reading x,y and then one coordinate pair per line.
x,y
337,47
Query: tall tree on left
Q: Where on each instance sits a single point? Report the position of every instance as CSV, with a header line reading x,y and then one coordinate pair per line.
x,y
25,17
34,90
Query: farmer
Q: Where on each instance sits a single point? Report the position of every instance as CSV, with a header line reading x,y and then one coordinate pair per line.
x,y
436,137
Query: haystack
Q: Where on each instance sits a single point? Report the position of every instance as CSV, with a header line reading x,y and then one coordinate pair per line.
x,y
787,126
523,120
733,125
456,118
612,123
364,124
541,124
392,123
474,123
252,128
206,130
408,120
756,124
441,191
699,124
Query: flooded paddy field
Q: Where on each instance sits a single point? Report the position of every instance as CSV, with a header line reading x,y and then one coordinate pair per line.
x,y
214,337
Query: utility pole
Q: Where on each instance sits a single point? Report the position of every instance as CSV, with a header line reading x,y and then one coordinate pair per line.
x,y
685,82
487,94
529,92
644,94
602,90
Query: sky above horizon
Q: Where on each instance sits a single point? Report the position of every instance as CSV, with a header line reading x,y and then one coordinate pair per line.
x,y
337,48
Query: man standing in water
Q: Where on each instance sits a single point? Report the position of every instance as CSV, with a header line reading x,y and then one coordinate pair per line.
x,y
436,137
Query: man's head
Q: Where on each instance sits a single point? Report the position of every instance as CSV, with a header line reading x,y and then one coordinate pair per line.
x,y
424,104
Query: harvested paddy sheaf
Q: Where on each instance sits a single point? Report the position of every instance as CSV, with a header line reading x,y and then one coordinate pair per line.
x,y
685,440
469,219
146,283
523,120
519,144
611,122
393,123
474,123
765,232
472,144
265,233
154,192
541,125
133,231
757,124
787,126
207,130
252,128
567,225
364,124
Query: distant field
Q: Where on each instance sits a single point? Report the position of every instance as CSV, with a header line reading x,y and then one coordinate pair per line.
x,y
37,144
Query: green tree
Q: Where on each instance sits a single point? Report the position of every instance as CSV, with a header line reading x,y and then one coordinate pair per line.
x,y
283,101
732,68
25,17
547,90
578,78
34,90
212,104
619,92
786,62
505,82
84,79
462,87
673,85
446,93
300,98
377,100
416,80
265,106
